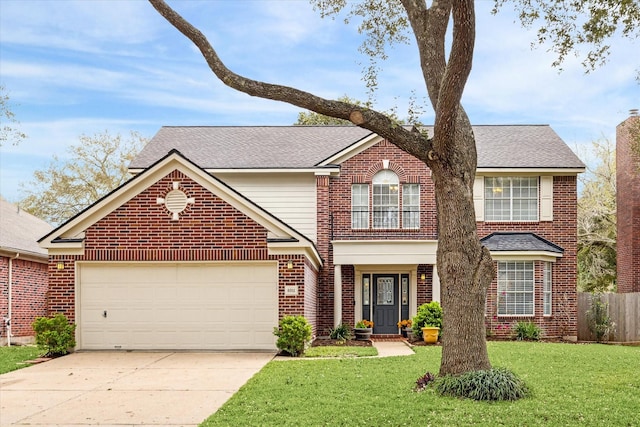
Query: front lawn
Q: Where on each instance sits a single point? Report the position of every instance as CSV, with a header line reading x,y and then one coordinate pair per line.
x,y
12,358
571,384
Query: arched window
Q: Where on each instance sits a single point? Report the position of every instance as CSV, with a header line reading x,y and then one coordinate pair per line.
x,y
385,199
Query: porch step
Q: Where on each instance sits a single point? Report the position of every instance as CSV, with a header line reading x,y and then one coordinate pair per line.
x,y
387,337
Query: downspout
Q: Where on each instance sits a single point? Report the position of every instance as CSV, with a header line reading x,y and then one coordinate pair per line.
x,y
7,320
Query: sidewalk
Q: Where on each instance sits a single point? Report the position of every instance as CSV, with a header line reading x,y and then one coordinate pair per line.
x,y
392,348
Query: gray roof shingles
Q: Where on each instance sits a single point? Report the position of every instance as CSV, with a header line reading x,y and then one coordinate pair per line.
x,y
514,241
21,230
294,147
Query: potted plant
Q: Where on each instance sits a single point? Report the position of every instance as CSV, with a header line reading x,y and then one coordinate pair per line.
x,y
428,321
363,329
405,327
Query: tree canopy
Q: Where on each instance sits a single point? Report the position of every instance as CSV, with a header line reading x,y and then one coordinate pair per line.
x,y
581,27
597,222
96,165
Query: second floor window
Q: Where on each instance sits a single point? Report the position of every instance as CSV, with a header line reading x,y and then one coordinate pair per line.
x,y
386,189
511,198
385,201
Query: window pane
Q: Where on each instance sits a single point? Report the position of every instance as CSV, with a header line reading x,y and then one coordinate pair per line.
x,y
516,288
547,289
511,198
385,199
411,206
359,206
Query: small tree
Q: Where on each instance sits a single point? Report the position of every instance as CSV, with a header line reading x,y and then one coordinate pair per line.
x,y
55,335
598,319
96,165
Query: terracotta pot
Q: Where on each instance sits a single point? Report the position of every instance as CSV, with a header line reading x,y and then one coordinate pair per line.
x,y
430,334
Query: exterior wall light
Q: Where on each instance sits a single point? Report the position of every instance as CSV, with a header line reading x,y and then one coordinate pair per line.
x,y
423,276
289,265
60,266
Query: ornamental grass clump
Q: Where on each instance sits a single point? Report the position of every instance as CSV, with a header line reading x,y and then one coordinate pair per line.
x,y
294,334
342,332
527,331
492,385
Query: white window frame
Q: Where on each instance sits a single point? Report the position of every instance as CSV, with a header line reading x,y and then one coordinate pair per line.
x,y
516,281
385,200
499,190
411,206
547,287
360,206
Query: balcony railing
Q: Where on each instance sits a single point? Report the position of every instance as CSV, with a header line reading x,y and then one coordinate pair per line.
x,y
380,224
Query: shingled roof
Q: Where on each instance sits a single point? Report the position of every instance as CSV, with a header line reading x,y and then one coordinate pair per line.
x,y
21,231
518,242
295,147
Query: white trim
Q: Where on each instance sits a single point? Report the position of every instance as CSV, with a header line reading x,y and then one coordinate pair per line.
x,y
384,252
435,285
525,256
478,197
337,295
529,171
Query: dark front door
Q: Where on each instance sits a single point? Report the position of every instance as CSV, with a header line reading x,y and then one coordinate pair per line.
x,y
385,304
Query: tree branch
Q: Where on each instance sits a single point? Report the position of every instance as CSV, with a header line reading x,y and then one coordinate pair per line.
x,y
412,142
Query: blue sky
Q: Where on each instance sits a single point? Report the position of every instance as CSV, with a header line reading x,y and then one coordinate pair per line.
x,y
83,67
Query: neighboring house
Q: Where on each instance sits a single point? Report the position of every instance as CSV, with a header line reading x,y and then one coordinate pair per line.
x,y
224,230
628,208
23,273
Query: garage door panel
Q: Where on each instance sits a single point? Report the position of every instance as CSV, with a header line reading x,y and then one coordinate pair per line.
x,y
177,306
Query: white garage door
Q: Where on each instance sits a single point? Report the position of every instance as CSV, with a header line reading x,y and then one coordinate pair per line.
x,y
177,306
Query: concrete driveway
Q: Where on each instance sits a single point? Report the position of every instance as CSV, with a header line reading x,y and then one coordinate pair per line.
x,y
125,388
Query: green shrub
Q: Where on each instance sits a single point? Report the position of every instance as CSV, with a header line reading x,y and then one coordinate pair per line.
x,y
598,319
294,332
493,384
54,335
340,332
429,314
527,331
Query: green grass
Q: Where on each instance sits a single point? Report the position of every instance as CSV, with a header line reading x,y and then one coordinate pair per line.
x,y
582,385
12,358
338,351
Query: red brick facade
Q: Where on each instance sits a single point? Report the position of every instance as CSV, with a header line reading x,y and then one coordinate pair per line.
x,y
209,230
561,231
28,296
628,209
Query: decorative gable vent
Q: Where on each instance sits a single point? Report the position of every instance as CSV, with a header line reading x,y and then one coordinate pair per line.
x,y
176,201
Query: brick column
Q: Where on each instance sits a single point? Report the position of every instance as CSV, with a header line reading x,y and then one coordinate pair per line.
x,y
628,207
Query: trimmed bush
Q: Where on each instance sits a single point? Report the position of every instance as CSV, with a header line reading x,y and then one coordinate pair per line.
x,y
55,335
429,314
492,385
294,333
527,331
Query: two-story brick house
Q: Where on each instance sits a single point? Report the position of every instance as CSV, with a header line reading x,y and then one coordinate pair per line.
x,y
223,230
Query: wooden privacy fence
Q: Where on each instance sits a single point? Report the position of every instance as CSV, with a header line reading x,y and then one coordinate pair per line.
x,y
624,310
